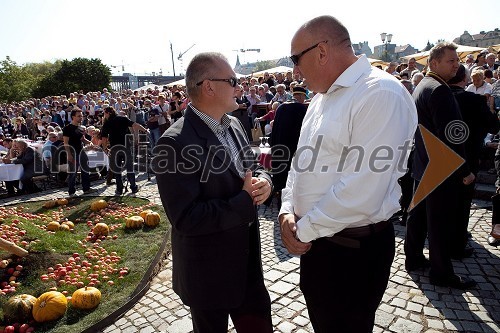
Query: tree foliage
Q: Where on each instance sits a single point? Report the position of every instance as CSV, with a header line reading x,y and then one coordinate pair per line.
x,y
15,82
77,74
263,65
44,79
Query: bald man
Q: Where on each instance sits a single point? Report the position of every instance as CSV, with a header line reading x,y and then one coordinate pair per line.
x,y
339,194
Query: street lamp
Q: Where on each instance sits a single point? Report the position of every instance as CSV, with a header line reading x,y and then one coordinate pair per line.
x,y
386,37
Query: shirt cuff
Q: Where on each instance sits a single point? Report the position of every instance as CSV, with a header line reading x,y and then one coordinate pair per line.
x,y
305,230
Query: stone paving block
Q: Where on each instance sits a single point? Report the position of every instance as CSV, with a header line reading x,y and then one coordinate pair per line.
x,y
452,325
435,324
400,313
414,307
403,325
273,275
286,327
182,313
285,301
431,312
383,318
301,321
470,326
281,287
112,329
400,303
386,308
148,329
183,325
422,300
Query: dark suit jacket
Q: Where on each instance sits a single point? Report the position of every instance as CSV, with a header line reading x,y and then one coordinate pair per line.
x,y
32,164
210,214
436,108
479,120
286,132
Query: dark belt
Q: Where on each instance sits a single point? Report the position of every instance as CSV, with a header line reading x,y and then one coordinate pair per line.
x,y
349,237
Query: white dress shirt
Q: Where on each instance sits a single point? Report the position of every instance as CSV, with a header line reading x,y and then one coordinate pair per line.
x,y
364,109
485,89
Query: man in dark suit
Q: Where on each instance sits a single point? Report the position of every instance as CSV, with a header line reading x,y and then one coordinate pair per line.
x,y
285,136
437,213
479,121
203,172
32,165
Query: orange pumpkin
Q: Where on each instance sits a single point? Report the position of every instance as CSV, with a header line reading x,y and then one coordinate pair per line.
x,y
101,229
134,222
86,298
50,204
98,205
144,213
152,219
49,306
19,308
62,202
53,226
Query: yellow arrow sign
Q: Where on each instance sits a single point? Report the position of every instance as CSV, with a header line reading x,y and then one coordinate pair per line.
x,y
443,162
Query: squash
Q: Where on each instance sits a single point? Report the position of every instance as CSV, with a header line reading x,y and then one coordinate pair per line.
x,y
19,308
49,306
50,204
64,227
86,298
98,205
145,213
70,224
134,222
152,219
101,229
53,226
62,202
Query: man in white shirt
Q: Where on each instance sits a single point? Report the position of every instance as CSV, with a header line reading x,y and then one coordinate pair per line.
x,y
342,187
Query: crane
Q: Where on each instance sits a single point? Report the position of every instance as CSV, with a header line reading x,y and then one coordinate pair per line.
x,y
182,53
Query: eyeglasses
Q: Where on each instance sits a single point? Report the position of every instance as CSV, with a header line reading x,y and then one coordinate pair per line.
x,y
296,57
232,81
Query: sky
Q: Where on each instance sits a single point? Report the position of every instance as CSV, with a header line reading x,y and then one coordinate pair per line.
x,y
136,35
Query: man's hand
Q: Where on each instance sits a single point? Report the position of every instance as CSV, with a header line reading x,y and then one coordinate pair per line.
x,y
261,190
288,229
71,159
469,179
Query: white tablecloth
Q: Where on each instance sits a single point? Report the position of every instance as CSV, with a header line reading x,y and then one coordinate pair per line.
x,y
97,158
10,171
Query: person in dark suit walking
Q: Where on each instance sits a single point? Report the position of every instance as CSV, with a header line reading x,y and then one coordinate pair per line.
x,y
479,121
285,136
436,215
202,167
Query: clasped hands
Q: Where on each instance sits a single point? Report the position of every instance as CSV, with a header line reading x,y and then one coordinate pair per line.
x,y
258,188
288,227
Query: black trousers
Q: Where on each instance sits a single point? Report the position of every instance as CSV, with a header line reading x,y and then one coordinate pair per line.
x,y
343,286
253,315
459,236
436,217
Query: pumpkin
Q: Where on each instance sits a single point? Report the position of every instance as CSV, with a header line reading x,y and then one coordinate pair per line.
x,y
50,204
53,226
70,224
86,298
101,229
134,222
98,205
62,202
64,227
144,213
152,219
19,308
49,306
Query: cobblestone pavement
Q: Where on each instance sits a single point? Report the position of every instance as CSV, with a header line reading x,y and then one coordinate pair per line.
x,y
410,304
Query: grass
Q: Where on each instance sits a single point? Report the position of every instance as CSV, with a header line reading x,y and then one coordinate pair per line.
x,y
137,249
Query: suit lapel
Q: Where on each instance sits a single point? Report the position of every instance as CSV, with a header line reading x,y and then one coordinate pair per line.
x,y
246,154
213,145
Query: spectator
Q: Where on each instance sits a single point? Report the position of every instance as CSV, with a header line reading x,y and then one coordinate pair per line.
x,y
25,155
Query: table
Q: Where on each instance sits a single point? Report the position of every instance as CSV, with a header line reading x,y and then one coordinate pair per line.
x,y
10,172
264,156
97,158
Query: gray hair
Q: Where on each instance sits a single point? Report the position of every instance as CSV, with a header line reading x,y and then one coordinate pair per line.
x,y
202,66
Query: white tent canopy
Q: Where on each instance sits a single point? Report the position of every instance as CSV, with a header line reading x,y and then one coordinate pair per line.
x,y
462,51
279,69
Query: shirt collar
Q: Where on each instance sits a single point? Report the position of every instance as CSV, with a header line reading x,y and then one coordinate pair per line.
x,y
213,124
351,75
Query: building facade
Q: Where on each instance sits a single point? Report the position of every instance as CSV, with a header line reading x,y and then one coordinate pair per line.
x,y
482,39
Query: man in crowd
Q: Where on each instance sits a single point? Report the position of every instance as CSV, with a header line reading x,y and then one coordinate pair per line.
x,y
116,131
437,214
479,121
21,153
217,268
285,136
336,204
74,140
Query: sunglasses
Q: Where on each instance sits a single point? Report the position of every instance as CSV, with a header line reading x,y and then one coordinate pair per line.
x,y
296,57
232,81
